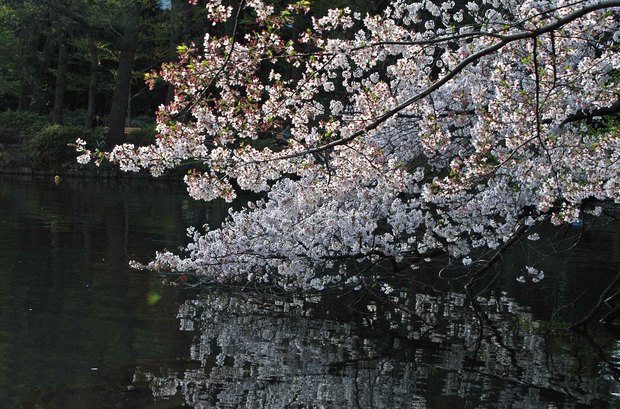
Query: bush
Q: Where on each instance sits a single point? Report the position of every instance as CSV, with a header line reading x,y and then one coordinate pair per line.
x,y
51,148
20,125
75,118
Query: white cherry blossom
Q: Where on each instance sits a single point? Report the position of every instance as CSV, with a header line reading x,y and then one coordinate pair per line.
x,y
431,129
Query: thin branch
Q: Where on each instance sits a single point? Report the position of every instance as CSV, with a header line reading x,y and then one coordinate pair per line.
x,y
496,257
505,40
193,104
582,323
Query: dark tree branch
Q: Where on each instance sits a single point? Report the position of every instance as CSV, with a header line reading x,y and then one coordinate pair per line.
x,y
585,115
505,40
581,324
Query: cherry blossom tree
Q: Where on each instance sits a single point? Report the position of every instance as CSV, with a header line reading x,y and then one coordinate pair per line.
x,y
429,130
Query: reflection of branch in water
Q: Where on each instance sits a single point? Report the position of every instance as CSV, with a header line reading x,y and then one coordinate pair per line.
x,y
497,335
323,354
515,381
397,306
294,399
549,359
480,336
356,385
602,301
614,367
556,379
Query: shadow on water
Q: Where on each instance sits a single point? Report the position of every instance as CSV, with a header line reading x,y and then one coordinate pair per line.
x,y
78,329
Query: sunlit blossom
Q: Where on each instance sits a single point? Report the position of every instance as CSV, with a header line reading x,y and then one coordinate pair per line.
x,y
404,141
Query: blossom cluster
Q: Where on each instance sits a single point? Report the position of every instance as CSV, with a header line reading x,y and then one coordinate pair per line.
x,y
430,128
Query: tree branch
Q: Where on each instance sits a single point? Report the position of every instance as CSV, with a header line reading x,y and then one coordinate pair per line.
x,y
581,115
505,40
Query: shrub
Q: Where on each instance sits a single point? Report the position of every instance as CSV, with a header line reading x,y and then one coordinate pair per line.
x,y
19,125
50,148
75,118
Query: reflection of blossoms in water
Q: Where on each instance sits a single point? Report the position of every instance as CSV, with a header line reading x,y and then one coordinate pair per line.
x,y
534,274
270,354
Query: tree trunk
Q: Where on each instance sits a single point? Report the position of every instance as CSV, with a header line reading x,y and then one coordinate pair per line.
x,y
24,90
28,49
123,81
61,84
39,98
91,112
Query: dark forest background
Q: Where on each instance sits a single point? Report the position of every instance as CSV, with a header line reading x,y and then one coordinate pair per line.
x,y
76,68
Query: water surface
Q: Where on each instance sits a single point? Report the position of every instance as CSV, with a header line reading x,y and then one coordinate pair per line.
x,y
79,329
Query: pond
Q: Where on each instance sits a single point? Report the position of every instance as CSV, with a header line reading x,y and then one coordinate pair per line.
x,y
79,329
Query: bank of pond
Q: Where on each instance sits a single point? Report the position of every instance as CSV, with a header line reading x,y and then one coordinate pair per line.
x,y
31,145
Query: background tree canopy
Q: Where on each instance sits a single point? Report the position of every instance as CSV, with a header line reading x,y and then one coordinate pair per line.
x,y
76,60
90,57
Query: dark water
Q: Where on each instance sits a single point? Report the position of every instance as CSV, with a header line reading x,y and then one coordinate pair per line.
x,y
78,329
